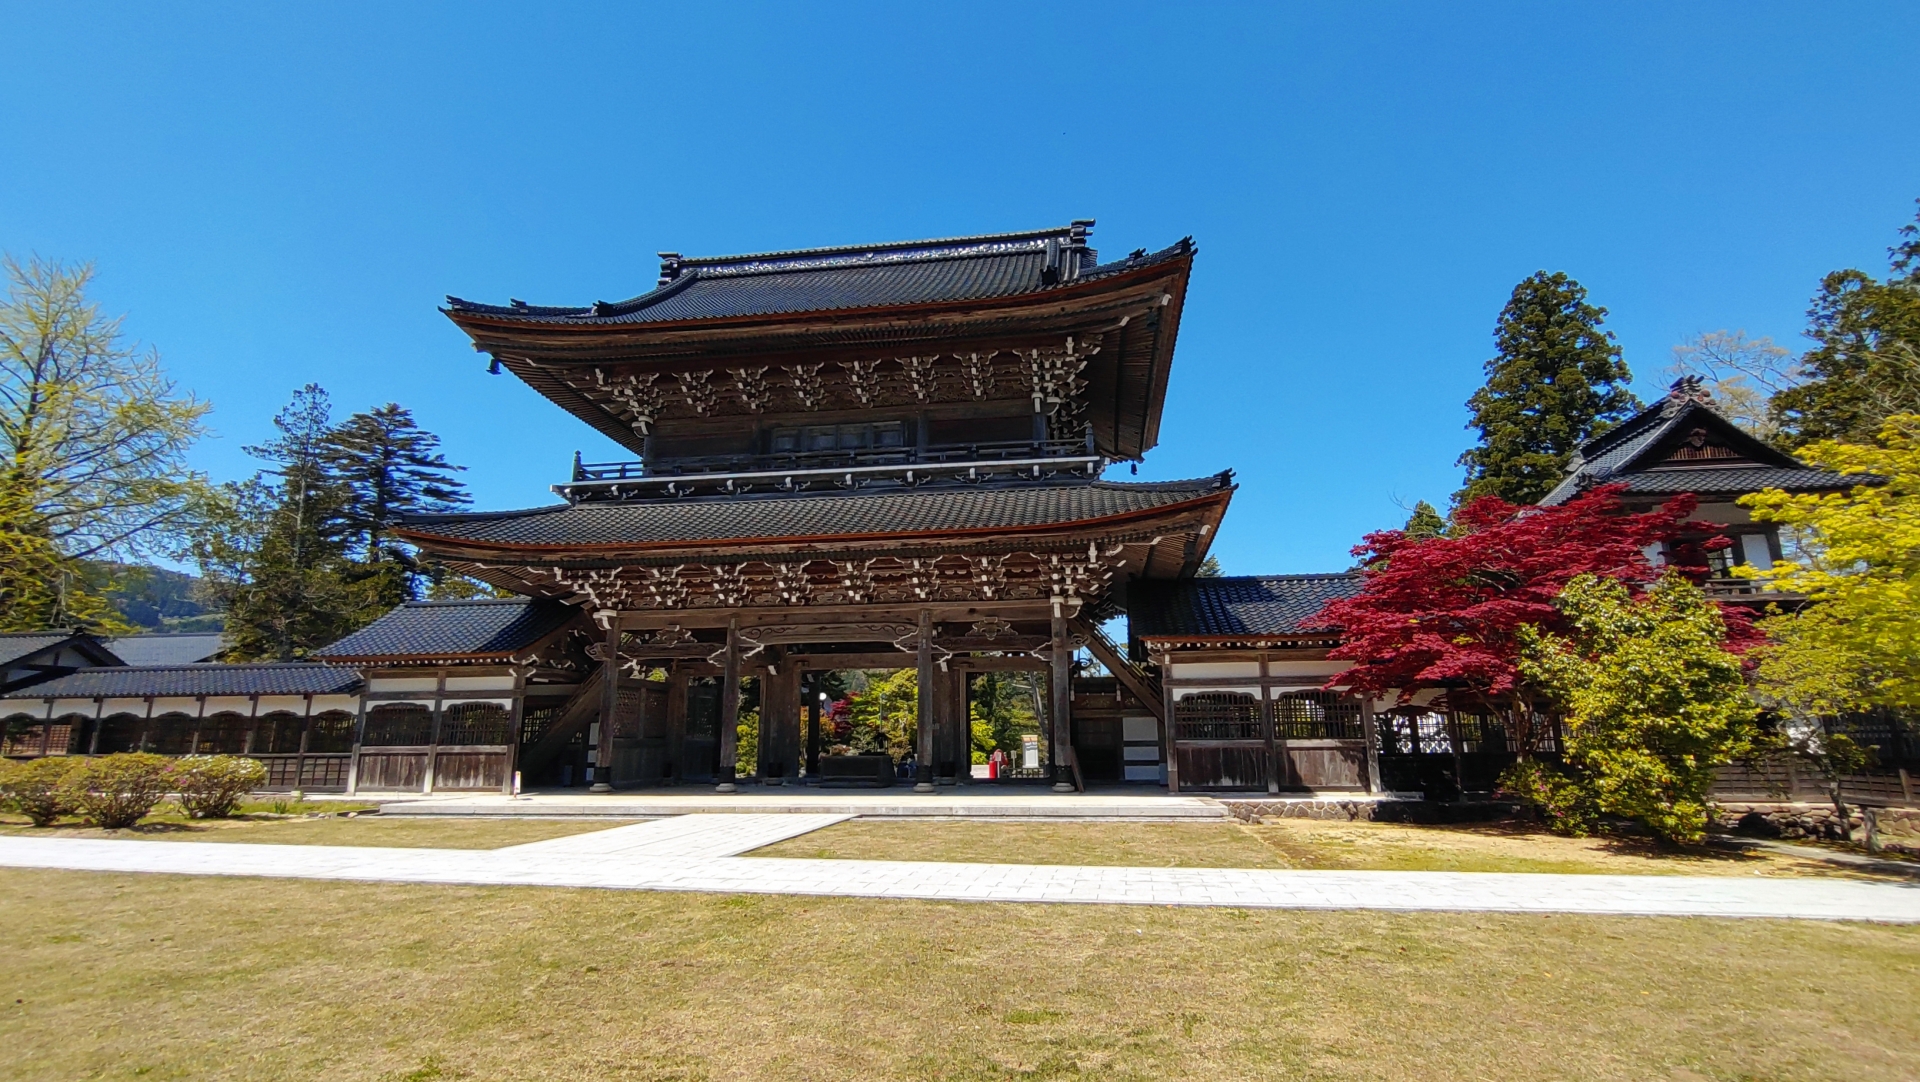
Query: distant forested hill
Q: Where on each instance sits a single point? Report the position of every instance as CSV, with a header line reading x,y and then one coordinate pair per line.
x,y
159,599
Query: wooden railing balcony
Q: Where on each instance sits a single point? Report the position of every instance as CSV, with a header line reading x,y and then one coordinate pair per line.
x,y
783,462
960,463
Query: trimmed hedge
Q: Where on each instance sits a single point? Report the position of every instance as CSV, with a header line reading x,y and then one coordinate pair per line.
x,y
36,788
117,791
211,786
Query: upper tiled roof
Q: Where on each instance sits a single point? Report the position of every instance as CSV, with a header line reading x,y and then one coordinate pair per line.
x,y
1628,454
481,628
180,649
865,276
18,645
1247,606
813,515
292,678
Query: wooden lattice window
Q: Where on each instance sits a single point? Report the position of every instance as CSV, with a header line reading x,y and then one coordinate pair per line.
x,y
1218,715
1316,715
399,725
120,732
330,732
475,723
21,734
224,733
278,733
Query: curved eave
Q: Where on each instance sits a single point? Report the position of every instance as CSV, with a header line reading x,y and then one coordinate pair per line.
x,y
441,544
1178,266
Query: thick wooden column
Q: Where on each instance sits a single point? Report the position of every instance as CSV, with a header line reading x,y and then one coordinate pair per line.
x,y
1061,742
609,703
810,690
676,724
729,708
923,700
780,722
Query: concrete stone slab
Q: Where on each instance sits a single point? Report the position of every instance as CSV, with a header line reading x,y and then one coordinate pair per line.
x,y
1810,899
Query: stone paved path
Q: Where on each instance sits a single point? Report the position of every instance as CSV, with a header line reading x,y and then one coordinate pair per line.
x,y
1833,899
721,835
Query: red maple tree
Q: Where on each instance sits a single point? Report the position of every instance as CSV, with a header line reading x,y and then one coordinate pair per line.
x,y
1445,612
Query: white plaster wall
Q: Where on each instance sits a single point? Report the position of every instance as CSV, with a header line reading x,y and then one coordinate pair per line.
x,y
480,683
383,684
1215,670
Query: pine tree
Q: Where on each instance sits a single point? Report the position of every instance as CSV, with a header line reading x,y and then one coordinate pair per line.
x,y
1425,522
391,467
1865,366
1556,381
279,564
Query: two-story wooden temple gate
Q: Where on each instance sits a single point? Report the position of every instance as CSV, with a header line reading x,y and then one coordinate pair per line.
x,y
848,457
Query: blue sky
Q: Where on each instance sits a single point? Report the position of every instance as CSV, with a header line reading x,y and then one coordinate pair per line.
x,y
275,196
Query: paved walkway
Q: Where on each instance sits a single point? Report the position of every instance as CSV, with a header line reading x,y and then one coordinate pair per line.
x,y
680,836
962,802
548,865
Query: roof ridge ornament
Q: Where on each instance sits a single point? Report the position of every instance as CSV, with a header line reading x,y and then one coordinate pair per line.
x,y
1686,391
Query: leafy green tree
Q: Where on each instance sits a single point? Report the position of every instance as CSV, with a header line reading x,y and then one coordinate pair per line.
x,y
277,562
1865,365
391,467
885,716
1555,381
1857,559
1653,699
95,442
1001,708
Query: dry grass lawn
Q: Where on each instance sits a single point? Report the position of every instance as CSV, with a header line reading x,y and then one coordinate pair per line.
x,y
400,833
1284,843
163,977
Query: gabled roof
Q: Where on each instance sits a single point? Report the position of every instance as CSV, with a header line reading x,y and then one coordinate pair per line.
x,y
184,648
24,645
855,276
1234,607
812,517
1639,454
478,629
292,678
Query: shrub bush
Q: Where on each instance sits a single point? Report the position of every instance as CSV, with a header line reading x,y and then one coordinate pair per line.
x,y
36,788
211,786
1559,800
117,791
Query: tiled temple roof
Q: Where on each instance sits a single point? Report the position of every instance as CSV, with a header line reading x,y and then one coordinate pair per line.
x,y
1630,454
860,276
1235,607
479,628
133,681
814,516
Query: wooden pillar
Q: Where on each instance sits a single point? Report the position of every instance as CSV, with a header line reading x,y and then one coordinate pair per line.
x,y
729,708
923,702
811,691
1372,732
513,731
609,703
779,721
1169,729
1061,742
676,724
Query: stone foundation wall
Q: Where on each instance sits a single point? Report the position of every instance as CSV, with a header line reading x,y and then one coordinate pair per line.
x,y
1898,828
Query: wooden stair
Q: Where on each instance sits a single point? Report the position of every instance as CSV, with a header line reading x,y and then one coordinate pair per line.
x,y
1132,676
581,710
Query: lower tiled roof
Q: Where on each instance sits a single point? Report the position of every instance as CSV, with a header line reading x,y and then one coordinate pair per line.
x,y
1247,606
829,516
436,629
289,678
1736,479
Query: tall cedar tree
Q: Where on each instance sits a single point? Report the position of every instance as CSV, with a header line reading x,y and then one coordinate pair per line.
x,y
1425,522
1865,365
1447,612
281,568
390,468
1556,381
